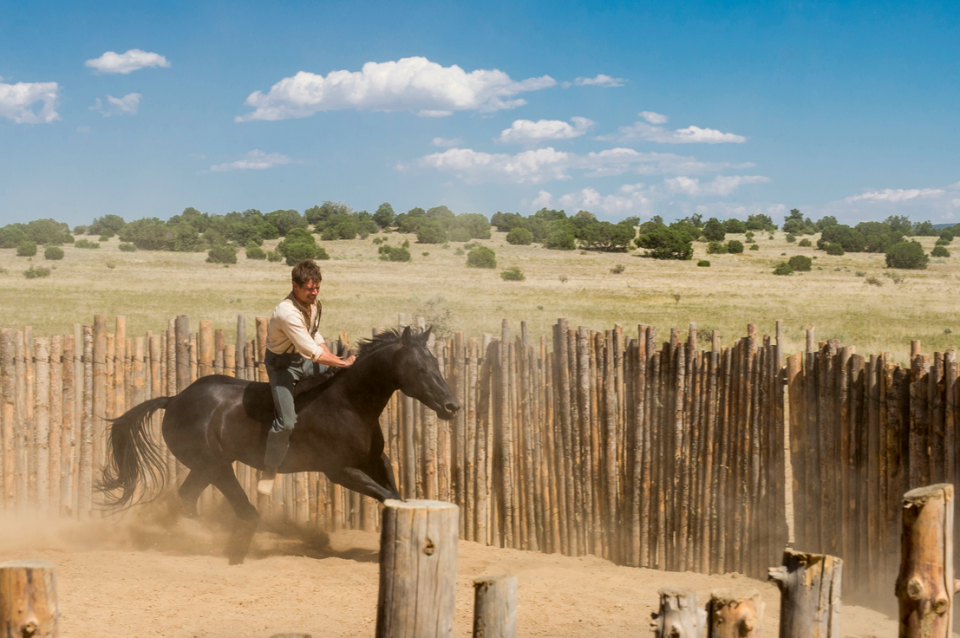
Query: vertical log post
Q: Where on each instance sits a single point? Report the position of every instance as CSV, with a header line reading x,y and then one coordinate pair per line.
x,y
183,352
41,433
679,615
28,599
733,616
925,585
809,594
8,413
495,607
418,569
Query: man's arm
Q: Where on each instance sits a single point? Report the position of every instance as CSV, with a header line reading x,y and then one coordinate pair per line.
x,y
327,358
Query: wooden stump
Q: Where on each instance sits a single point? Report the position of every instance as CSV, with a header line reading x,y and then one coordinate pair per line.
x,y
495,607
925,585
28,599
418,569
679,615
734,616
810,594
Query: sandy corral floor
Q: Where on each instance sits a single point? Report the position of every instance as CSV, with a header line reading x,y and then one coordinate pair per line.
x,y
137,578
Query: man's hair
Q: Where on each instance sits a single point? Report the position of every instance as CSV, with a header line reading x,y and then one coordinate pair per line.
x,y
306,270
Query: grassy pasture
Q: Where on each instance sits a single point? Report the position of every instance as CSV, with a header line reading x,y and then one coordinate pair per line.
x,y
360,291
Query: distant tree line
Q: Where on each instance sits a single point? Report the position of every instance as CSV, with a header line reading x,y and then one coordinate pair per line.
x,y
222,235
553,229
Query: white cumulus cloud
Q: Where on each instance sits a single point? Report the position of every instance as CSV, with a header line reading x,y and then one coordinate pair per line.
x,y
528,167
254,160
126,105
414,84
17,100
653,118
896,195
721,185
629,198
649,131
444,143
527,131
602,80
545,164
132,60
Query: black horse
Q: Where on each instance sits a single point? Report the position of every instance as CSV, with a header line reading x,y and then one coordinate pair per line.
x,y
218,420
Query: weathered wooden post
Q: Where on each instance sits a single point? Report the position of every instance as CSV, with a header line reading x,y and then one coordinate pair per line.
x,y
925,585
28,599
679,615
730,615
809,594
495,607
418,569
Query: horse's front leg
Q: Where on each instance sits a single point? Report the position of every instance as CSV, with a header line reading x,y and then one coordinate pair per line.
x,y
358,480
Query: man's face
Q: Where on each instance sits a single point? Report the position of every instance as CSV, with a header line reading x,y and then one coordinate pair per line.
x,y
307,293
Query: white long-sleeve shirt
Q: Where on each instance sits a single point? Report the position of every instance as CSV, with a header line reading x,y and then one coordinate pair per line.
x,y
293,327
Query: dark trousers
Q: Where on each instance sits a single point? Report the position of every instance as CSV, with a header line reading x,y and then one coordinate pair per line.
x,y
285,371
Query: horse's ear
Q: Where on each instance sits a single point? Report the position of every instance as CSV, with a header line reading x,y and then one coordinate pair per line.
x,y
405,338
426,335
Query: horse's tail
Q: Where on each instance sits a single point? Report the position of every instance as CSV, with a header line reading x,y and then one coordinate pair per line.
x,y
133,458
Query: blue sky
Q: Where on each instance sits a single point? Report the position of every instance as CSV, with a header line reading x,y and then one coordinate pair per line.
x,y
727,109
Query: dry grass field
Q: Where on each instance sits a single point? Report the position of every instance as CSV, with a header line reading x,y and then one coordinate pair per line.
x,y
360,291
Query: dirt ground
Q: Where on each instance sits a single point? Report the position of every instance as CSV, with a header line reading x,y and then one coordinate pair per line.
x,y
140,579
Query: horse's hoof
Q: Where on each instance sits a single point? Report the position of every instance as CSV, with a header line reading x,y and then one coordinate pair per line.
x,y
236,560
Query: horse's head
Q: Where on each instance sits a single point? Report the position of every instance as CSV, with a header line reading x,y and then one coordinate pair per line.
x,y
419,375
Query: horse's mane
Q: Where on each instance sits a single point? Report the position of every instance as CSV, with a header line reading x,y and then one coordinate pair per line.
x,y
388,338
312,387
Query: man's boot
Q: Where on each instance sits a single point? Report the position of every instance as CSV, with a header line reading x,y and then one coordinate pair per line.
x,y
265,484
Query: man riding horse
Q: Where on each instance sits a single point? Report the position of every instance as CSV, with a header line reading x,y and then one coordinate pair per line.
x,y
295,351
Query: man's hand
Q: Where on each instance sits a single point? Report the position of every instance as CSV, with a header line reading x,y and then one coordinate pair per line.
x,y
348,361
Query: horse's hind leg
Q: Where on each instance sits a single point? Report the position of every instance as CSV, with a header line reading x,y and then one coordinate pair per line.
x,y
191,488
226,481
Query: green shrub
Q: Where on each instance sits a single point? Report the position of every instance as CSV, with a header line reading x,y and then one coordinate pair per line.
x,y
754,246
26,248
560,239
425,254
791,238
459,233
222,254
520,237
703,263
714,230
431,232
390,253
805,243
940,251
734,247
716,248
481,257
53,253
127,248
255,252
908,255
800,263
86,243
106,237
783,268
36,273
274,256
512,274
666,243
946,237
619,268
321,254
873,281
834,249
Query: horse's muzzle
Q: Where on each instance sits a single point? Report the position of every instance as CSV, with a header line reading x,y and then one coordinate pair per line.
x,y
449,410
